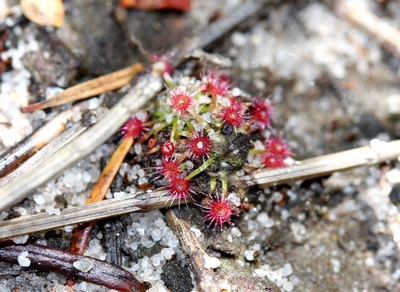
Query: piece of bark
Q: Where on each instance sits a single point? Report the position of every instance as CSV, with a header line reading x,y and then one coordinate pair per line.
x,y
195,254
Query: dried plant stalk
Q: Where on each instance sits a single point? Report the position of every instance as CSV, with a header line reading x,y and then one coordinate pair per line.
x,y
377,152
26,148
108,82
48,150
383,32
87,213
195,254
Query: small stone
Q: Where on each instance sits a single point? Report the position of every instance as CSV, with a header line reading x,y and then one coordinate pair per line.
x,y
57,211
160,223
156,234
260,272
287,270
236,232
157,259
239,39
249,255
335,265
211,262
196,232
142,180
39,199
94,103
299,231
168,253
234,199
20,239
141,172
138,148
23,261
288,286
68,228
119,195
265,220
49,210
82,286
83,265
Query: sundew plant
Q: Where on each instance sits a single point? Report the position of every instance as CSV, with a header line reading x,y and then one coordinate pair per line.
x,y
202,136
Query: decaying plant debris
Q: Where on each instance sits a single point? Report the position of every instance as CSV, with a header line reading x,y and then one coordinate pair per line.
x,y
345,220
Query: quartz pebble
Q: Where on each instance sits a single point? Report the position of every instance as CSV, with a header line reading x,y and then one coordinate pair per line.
x,y
83,265
23,261
21,239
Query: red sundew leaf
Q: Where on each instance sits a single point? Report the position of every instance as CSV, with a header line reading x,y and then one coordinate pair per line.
x,y
215,83
277,146
134,128
200,145
219,211
274,161
169,168
61,262
261,111
180,101
167,148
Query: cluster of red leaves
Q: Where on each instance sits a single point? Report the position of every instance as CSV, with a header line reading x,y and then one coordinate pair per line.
x,y
277,152
215,83
238,114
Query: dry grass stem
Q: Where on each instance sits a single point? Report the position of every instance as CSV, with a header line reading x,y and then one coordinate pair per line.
x,y
86,213
109,82
26,148
47,151
384,33
376,152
